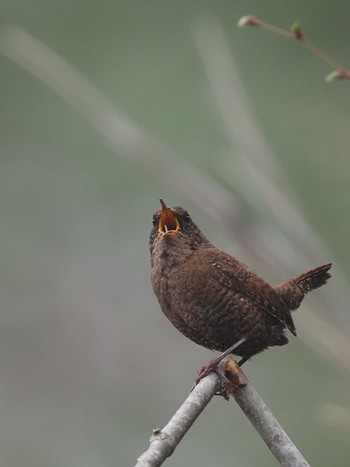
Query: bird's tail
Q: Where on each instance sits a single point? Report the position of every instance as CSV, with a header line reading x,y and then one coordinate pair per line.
x,y
294,290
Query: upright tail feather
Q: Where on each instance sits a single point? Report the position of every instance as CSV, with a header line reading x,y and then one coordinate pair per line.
x,y
294,290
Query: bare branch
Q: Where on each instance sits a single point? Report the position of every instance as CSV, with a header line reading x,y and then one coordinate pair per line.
x,y
296,33
268,427
164,442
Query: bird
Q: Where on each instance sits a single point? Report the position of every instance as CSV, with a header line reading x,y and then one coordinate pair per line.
x,y
214,299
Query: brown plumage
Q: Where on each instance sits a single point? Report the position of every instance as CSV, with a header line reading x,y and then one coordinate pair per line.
x,y
214,299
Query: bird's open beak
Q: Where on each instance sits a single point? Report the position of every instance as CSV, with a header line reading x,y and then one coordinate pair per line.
x,y
168,223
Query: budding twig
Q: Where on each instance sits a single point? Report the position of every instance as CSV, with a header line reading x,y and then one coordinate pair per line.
x,y
340,71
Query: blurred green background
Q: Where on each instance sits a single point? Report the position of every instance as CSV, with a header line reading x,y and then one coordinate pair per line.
x,y
236,125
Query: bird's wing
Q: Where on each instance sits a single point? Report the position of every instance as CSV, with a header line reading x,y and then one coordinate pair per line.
x,y
236,277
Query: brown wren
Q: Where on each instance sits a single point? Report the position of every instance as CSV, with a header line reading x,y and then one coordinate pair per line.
x,y
214,299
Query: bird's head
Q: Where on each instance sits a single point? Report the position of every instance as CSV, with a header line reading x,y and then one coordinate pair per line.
x,y
174,232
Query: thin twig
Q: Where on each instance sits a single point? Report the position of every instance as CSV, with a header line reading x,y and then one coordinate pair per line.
x,y
340,71
163,442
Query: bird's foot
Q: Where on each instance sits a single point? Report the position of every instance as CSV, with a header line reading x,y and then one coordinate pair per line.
x,y
213,365
224,374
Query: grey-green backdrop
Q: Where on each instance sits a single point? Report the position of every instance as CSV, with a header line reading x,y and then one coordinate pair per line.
x,y
236,125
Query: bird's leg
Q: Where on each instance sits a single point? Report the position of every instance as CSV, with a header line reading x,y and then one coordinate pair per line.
x,y
213,365
243,360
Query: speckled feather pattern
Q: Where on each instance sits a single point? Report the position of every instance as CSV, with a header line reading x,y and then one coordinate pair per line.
x,y
214,299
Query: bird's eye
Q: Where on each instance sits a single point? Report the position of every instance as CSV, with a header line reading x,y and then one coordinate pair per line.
x,y
187,219
154,221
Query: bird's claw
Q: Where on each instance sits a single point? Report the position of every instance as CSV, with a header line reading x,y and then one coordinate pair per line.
x,y
229,373
212,366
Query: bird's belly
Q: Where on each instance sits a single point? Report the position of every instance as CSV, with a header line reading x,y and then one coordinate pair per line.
x,y
214,320
219,327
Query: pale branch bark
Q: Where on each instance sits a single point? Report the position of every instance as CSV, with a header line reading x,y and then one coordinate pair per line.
x,y
164,441
268,427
